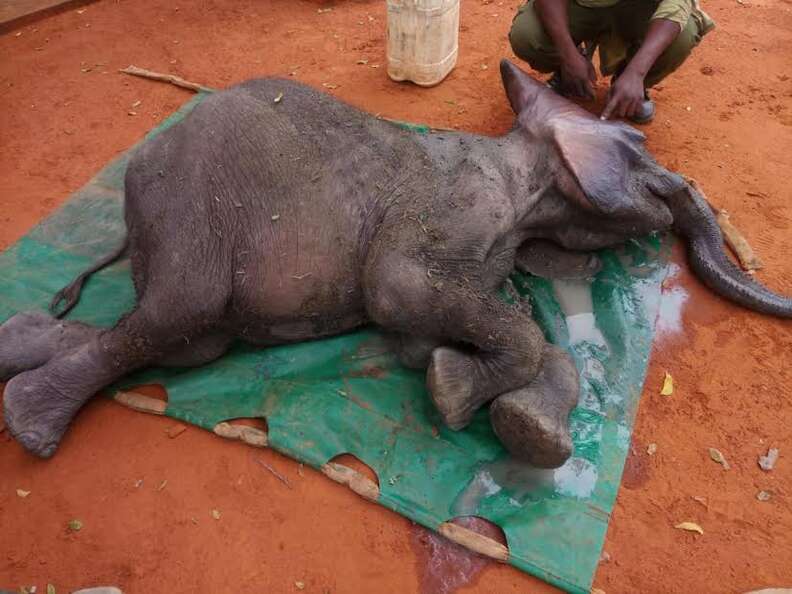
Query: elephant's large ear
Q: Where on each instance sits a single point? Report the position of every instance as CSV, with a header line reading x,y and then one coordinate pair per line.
x,y
521,89
600,155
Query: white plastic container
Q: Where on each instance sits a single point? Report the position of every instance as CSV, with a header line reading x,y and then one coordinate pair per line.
x,y
423,40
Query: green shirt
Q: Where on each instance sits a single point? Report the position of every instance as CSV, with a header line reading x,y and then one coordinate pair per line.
x,y
677,11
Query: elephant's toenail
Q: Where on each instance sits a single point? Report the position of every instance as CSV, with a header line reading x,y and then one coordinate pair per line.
x,y
47,451
30,440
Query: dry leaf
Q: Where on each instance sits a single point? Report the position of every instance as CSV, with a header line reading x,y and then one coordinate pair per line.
x,y
136,103
363,62
767,462
162,485
75,525
668,385
718,457
597,591
690,527
216,514
22,493
324,10
278,98
651,449
50,589
275,217
299,585
330,86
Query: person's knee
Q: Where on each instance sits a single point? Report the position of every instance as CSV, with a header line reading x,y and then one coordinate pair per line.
x,y
675,54
530,42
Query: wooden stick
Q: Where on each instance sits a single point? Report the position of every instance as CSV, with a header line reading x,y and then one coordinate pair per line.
x,y
474,541
360,484
141,402
734,239
168,78
250,435
737,243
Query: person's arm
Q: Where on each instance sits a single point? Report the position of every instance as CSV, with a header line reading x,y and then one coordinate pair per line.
x,y
577,73
628,90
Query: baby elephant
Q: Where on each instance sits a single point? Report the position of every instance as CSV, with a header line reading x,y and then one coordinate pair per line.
x,y
274,221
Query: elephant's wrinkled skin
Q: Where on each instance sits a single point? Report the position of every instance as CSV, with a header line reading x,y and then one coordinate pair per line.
x,y
276,222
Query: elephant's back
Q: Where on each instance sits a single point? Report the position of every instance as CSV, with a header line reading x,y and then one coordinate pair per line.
x,y
287,192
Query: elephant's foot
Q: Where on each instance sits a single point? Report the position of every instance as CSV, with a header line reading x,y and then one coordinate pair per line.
x,y
533,422
37,413
30,339
450,380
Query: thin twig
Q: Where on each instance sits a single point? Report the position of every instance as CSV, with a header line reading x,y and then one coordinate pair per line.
x,y
168,78
274,472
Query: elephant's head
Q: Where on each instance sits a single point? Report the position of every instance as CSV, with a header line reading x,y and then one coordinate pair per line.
x,y
603,168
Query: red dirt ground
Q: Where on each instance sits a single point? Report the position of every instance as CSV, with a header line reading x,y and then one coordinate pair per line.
x,y
725,119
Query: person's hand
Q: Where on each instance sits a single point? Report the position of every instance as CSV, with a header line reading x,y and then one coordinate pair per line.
x,y
577,74
625,96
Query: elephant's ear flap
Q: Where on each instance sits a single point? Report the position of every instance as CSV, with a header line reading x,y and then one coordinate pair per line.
x,y
521,89
600,157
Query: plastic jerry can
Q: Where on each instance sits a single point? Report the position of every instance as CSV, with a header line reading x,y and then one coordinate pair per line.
x,y
423,40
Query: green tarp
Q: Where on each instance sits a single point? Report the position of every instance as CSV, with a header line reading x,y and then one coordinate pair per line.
x,y
349,394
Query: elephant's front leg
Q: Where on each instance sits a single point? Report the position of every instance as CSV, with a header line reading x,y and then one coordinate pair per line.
x,y
490,347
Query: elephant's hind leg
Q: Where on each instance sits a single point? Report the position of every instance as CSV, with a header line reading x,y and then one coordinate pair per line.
x,y
39,404
30,339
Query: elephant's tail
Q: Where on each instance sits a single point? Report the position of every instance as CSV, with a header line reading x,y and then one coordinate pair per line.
x,y
695,221
70,294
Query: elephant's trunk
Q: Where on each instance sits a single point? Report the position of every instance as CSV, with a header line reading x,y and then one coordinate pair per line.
x,y
695,221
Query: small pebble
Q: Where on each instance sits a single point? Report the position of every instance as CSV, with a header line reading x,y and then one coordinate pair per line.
x,y
767,462
763,495
651,449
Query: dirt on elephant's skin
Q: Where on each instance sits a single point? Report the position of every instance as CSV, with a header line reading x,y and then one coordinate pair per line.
x,y
146,500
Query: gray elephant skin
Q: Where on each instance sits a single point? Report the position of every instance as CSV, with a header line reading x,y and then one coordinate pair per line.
x,y
273,222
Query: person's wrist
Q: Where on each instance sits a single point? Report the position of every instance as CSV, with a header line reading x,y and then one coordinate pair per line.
x,y
636,70
568,52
